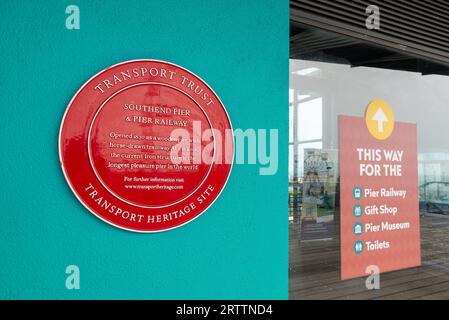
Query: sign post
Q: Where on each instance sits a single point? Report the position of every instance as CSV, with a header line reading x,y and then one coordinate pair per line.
x,y
379,193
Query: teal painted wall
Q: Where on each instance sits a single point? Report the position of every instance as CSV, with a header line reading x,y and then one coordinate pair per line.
x,y
237,249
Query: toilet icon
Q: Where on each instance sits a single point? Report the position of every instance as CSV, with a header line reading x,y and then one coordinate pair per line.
x,y
358,247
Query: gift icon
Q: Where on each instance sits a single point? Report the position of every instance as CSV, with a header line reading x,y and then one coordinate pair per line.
x,y
357,211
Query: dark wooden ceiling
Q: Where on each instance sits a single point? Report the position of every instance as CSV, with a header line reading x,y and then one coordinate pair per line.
x,y
318,33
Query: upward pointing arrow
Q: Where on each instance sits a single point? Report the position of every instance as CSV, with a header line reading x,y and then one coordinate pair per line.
x,y
380,117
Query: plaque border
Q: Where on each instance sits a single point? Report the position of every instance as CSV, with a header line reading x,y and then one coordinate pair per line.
x,y
74,190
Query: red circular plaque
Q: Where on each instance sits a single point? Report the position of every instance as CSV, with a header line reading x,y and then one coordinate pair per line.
x,y
146,145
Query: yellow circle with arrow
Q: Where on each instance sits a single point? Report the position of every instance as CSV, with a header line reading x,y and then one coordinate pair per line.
x,y
379,119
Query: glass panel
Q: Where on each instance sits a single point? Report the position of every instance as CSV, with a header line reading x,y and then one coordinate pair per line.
x,y
290,117
310,120
324,91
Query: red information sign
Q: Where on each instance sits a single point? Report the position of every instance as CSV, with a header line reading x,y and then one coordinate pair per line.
x,y
379,195
146,145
